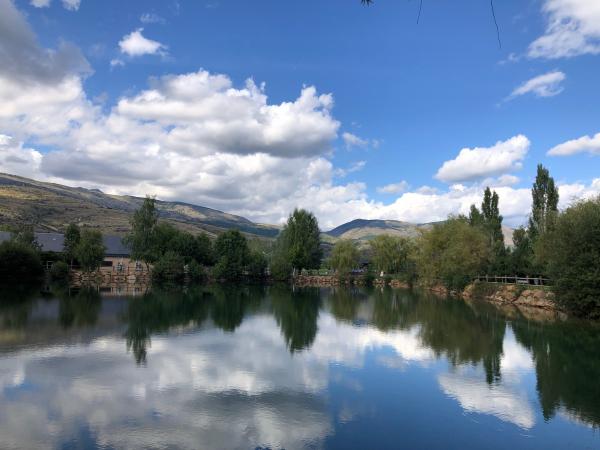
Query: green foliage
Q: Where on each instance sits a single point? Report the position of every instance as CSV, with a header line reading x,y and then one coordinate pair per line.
x,y
141,239
19,261
280,264
72,237
451,252
59,271
475,217
574,259
522,253
233,255
391,254
26,237
344,257
545,203
300,240
195,271
169,268
90,250
257,265
492,220
489,221
202,250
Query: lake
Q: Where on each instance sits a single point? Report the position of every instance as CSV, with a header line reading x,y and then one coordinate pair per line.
x,y
275,367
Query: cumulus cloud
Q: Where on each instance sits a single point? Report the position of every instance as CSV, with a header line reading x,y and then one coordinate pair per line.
x,y
199,138
479,162
135,44
22,59
572,28
17,160
585,144
546,85
394,188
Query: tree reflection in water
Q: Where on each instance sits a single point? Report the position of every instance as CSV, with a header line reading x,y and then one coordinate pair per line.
x,y
567,364
566,355
296,312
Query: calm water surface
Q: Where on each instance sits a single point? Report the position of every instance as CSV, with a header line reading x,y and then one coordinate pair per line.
x,y
248,367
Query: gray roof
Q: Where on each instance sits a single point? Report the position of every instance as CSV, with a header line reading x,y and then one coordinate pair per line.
x,y
5,236
114,246
55,242
50,242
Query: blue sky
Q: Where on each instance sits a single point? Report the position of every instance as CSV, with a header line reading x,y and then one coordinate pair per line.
x,y
402,99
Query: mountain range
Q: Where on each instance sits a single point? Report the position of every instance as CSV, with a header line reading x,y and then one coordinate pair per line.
x,y
51,207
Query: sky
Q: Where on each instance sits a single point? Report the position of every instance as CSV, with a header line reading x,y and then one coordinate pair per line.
x,y
258,107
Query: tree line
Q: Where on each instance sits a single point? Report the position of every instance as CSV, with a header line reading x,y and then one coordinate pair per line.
x,y
563,246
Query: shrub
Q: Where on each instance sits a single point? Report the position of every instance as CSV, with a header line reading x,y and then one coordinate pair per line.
x,y
169,268
257,265
195,271
59,271
19,261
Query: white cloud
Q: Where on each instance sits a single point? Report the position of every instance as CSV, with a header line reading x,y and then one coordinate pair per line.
x,y
15,159
151,18
479,162
40,3
354,167
197,137
394,188
352,141
135,44
573,28
475,395
585,144
546,85
116,62
71,5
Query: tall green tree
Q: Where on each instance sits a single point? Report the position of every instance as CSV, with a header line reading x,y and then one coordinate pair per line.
x,y
574,258
72,237
344,256
141,239
90,250
491,217
475,217
299,243
544,203
233,255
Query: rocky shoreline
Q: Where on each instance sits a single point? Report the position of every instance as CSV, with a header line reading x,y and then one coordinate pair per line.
x,y
500,294
513,294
